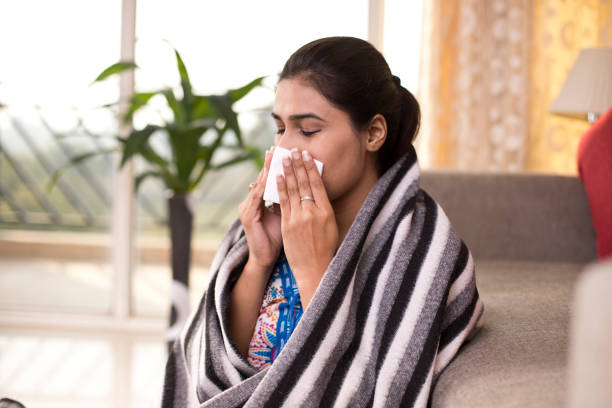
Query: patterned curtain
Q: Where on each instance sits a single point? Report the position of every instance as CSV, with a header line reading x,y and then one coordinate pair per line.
x,y
489,72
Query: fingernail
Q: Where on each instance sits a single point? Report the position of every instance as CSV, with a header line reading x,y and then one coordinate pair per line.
x,y
295,155
306,155
286,161
279,178
294,149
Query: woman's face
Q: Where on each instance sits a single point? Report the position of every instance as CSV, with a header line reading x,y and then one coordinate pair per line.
x,y
305,119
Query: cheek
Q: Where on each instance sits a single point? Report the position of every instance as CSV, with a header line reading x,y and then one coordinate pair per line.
x,y
341,173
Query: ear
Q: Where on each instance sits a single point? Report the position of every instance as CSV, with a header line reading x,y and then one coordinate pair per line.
x,y
376,133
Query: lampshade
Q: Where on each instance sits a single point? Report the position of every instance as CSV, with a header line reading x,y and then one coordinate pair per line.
x,y
588,87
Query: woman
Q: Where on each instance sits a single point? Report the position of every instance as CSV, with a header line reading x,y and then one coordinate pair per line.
x,y
355,290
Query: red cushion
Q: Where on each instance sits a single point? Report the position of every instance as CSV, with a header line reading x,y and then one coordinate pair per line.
x,y
595,171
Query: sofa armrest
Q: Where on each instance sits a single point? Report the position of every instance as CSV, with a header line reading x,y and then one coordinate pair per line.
x,y
590,346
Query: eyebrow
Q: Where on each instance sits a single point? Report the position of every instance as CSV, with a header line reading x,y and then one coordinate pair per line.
x,y
300,116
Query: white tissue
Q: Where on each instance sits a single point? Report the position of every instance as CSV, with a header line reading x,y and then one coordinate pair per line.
x,y
276,168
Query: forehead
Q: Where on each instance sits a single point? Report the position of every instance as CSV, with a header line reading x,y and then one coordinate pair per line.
x,y
295,96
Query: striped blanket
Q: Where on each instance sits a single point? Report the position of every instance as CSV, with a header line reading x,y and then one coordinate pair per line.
x,y
392,310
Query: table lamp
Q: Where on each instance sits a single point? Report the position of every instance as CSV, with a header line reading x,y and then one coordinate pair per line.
x,y
587,92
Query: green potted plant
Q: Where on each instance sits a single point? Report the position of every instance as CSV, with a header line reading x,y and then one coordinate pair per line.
x,y
191,156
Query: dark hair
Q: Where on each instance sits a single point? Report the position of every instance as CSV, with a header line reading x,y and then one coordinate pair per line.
x,y
355,77
10,403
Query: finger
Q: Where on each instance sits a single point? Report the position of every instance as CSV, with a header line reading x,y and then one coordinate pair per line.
x,y
276,208
258,191
260,181
283,198
302,177
315,181
291,184
266,168
267,160
268,157
255,197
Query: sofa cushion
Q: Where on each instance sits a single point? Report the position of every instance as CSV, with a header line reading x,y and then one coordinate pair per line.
x,y
518,359
525,216
595,170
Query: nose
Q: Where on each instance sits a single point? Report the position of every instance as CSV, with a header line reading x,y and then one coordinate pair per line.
x,y
287,140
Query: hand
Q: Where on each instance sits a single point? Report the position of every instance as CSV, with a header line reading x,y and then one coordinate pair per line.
x,y
309,229
261,227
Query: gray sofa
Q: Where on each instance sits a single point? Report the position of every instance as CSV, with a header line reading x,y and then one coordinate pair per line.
x,y
531,236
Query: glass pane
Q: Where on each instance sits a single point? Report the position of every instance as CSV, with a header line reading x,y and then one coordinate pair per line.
x,y
402,40
54,253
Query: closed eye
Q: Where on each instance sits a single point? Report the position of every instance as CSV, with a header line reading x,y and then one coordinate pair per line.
x,y
304,132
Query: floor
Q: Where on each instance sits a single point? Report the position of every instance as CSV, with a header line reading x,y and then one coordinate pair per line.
x,y
47,367
49,370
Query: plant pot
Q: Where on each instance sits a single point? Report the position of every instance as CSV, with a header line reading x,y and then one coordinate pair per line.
x,y
180,219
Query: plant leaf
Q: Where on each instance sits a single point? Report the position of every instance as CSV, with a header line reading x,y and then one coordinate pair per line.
x,y
62,136
107,105
116,68
203,153
177,109
142,176
223,105
239,93
182,70
187,101
74,161
202,108
185,145
137,143
209,154
235,160
153,157
202,123
137,101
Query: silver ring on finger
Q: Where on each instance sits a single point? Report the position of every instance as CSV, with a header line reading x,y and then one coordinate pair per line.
x,y
306,198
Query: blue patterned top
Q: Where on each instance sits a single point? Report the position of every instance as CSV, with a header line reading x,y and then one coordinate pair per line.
x,y
280,313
